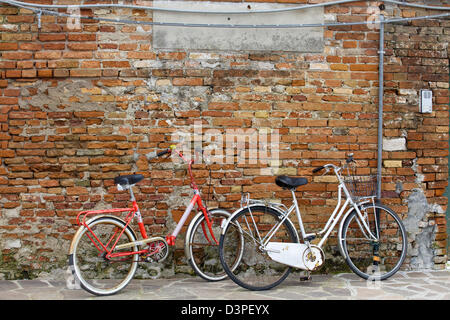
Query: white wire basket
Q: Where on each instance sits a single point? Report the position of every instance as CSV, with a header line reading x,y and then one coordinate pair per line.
x,y
361,186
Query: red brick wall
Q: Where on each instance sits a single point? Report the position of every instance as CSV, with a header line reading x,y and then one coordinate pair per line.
x,y
79,107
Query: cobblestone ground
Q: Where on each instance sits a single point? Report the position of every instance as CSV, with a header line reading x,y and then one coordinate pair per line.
x,y
426,285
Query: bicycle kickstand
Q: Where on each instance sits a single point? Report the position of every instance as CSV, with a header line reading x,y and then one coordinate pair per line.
x,y
306,276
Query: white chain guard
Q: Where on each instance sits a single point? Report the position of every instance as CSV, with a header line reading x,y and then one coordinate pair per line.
x,y
295,255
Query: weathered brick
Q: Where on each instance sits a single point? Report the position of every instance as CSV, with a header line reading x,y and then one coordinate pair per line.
x,y
52,37
4,46
115,64
17,55
81,37
47,55
82,46
9,100
30,73
106,98
187,81
85,73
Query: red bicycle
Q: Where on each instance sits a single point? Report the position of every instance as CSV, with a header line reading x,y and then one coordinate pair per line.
x,y
105,250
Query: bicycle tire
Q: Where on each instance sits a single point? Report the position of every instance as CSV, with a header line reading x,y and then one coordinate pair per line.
x,y
256,271
359,251
202,253
97,274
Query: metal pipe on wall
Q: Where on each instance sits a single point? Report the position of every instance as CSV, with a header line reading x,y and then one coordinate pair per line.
x,y
380,106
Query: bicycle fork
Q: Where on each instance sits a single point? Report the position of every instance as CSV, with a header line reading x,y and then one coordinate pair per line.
x,y
375,237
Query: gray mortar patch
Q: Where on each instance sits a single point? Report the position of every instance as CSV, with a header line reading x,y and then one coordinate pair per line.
x,y
421,234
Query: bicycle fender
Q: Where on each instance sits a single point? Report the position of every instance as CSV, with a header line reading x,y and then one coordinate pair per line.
x,y
224,227
80,229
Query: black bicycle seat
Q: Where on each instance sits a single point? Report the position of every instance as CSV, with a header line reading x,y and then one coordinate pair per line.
x,y
128,179
290,182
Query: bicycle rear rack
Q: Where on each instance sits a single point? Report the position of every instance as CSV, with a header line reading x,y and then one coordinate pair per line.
x,y
82,217
246,201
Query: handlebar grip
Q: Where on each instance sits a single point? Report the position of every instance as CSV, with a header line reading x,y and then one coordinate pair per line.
x,y
350,158
159,154
318,169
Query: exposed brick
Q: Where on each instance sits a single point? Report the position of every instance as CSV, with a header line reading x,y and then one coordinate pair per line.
x,y
172,55
85,73
29,73
45,73
82,46
13,73
79,107
52,37
141,55
20,55
187,81
81,37
77,55
8,46
16,36
9,100
47,55
115,64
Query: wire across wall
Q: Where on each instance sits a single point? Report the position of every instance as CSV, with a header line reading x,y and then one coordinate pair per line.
x,y
40,9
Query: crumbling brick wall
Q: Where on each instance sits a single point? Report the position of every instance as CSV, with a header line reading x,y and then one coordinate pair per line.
x,y
81,106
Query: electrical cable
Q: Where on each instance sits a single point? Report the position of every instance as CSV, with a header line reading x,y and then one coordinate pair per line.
x,y
307,6
39,10
244,26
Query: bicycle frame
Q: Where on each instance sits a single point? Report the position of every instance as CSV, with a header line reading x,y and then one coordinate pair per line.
x,y
331,222
134,211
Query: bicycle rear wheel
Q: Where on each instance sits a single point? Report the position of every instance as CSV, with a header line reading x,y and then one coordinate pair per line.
x,y
201,250
97,273
374,260
256,270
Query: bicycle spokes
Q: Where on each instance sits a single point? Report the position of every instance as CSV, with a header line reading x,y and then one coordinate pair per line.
x,y
100,272
386,254
103,241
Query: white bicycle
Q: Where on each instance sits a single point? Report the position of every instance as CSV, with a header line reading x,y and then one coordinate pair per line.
x,y
371,237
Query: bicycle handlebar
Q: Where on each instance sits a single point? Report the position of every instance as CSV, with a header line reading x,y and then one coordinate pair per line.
x,y
348,160
327,167
171,149
318,169
159,154
168,150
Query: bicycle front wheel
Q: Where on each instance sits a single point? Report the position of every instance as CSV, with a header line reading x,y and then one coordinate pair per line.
x,y
369,259
256,270
99,274
201,249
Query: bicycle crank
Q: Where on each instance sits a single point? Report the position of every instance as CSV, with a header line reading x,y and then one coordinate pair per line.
x,y
313,258
158,250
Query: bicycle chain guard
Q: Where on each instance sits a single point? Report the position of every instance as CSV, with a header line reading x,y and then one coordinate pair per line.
x,y
296,255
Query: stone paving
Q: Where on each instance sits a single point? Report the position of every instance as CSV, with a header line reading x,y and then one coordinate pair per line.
x,y
412,285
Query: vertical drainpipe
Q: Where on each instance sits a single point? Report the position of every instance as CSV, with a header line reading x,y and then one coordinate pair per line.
x,y
380,106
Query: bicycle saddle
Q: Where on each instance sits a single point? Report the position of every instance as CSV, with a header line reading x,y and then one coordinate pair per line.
x,y
128,179
290,182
